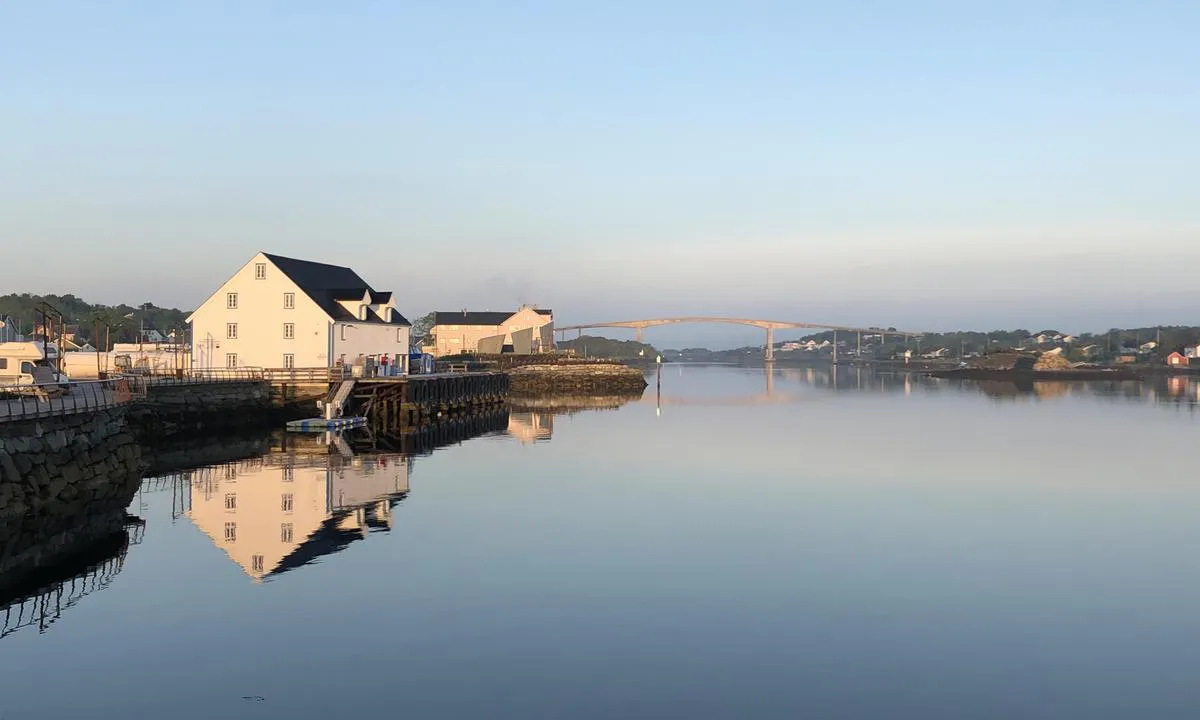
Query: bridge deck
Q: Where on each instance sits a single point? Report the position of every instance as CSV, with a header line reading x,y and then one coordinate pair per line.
x,y
753,322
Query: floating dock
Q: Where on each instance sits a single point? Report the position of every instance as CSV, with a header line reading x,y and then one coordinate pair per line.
x,y
323,425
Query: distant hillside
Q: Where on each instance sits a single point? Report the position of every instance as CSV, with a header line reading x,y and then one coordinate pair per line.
x,y
22,309
601,347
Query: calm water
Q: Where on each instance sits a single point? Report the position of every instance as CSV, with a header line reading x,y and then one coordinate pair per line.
x,y
874,547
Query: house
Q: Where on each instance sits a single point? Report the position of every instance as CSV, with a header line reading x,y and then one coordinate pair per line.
x,y
52,330
280,312
528,330
1191,353
1177,359
1089,350
8,330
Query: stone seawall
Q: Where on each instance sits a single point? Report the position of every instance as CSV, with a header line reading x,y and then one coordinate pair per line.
x,y
62,473
171,409
581,379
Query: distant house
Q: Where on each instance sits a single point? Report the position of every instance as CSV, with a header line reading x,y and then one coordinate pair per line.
x,y
280,312
8,330
51,330
1177,359
528,330
1068,339
1147,348
1090,350
1191,353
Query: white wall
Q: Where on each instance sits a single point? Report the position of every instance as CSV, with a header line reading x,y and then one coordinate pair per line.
x,y
260,317
370,339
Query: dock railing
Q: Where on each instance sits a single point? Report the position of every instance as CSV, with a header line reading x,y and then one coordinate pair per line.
x,y
312,375
21,402
194,376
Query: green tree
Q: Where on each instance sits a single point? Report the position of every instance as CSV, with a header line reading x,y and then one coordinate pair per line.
x,y
422,330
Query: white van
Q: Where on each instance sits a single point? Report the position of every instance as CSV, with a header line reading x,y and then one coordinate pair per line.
x,y
27,363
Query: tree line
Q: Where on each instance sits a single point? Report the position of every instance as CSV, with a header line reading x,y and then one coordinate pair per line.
x,y
118,323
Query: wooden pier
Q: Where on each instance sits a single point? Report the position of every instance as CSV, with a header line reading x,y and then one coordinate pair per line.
x,y
391,403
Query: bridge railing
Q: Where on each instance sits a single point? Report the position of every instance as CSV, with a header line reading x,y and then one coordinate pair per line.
x,y
21,402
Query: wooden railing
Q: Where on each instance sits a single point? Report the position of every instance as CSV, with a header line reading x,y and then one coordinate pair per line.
x,y
199,375
314,375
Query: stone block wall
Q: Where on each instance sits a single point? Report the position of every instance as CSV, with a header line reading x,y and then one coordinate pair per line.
x,y
62,472
170,410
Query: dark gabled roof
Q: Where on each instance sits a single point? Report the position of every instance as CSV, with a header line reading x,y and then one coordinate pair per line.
x,y
466,317
461,317
328,539
326,284
543,311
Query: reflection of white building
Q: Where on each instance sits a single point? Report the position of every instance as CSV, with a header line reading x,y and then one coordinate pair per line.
x,y
529,427
284,510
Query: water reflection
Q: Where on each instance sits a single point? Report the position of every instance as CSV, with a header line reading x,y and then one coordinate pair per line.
x,y
532,419
39,596
288,508
796,385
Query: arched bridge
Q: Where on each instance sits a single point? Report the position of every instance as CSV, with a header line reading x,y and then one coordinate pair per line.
x,y
769,325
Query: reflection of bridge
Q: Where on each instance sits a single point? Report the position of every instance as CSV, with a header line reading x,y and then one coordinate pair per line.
x,y
769,325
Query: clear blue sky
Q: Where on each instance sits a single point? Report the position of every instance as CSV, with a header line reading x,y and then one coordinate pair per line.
x,y
921,164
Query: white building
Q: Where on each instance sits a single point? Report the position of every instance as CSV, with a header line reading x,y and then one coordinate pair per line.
x,y
278,312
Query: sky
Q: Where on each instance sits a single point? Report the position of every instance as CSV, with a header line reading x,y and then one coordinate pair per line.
x,y
921,164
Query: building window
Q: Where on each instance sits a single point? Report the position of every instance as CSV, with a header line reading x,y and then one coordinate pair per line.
x,y
289,301
231,301
231,532
231,331
260,271
288,475
3,363
344,329
400,336
285,532
285,502
231,501
230,360
289,361
256,563
289,331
